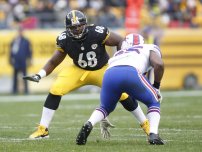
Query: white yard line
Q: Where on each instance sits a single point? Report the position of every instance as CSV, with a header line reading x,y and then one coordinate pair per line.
x,y
41,98
193,93
90,96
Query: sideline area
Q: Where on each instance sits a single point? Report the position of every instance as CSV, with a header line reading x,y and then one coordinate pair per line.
x,y
89,96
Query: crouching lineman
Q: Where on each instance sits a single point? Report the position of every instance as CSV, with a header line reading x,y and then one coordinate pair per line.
x,y
125,74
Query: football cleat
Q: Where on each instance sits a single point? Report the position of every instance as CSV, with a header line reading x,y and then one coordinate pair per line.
x,y
41,132
146,126
81,138
154,139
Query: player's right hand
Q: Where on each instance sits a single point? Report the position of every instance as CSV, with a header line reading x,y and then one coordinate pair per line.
x,y
34,78
160,97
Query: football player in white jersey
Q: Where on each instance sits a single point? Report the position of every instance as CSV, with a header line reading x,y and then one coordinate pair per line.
x,y
126,74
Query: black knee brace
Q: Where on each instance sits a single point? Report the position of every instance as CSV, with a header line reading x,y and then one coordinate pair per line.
x,y
52,101
129,104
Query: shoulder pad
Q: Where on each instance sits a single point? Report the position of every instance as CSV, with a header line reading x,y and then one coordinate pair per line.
x,y
154,48
62,36
60,41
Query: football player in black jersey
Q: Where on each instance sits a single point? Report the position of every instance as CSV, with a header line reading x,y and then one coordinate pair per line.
x,y
85,45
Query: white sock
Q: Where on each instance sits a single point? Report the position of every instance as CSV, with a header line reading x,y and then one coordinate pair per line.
x,y
154,119
96,117
139,115
47,115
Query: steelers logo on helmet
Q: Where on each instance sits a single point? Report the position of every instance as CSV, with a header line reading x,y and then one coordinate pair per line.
x,y
131,40
75,23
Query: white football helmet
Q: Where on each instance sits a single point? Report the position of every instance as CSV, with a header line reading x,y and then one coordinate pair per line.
x,y
132,39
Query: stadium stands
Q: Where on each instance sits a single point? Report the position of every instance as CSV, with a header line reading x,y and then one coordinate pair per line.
x,y
168,20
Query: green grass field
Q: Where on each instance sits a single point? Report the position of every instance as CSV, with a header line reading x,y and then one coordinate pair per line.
x,y
180,127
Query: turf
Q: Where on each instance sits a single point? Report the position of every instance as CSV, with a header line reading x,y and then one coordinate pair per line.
x,y
180,127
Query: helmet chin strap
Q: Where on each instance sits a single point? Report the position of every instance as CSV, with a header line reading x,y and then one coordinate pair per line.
x,y
78,36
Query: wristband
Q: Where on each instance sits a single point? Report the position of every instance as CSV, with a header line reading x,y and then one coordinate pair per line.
x,y
156,84
42,73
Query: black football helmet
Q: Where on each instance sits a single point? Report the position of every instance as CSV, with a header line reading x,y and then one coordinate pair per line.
x,y
75,23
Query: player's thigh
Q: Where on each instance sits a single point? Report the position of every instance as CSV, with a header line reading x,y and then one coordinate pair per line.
x,y
67,80
96,77
110,92
143,90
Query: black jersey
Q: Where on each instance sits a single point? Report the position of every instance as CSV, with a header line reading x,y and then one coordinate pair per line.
x,y
89,53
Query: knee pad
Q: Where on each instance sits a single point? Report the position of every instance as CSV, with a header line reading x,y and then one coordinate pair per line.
x,y
52,101
124,96
129,104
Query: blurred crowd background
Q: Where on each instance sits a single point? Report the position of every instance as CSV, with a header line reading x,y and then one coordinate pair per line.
x,y
112,13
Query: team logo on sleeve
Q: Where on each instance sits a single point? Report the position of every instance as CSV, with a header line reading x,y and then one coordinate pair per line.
x,y
94,46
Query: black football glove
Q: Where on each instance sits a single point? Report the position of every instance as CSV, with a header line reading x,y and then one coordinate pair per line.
x,y
34,78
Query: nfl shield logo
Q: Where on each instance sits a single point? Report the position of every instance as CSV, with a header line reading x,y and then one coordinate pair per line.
x,y
94,46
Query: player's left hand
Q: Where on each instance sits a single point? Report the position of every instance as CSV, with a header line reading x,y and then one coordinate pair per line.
x,y
105,125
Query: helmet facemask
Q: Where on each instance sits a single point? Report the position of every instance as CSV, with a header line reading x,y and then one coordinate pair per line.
x,y
76,31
